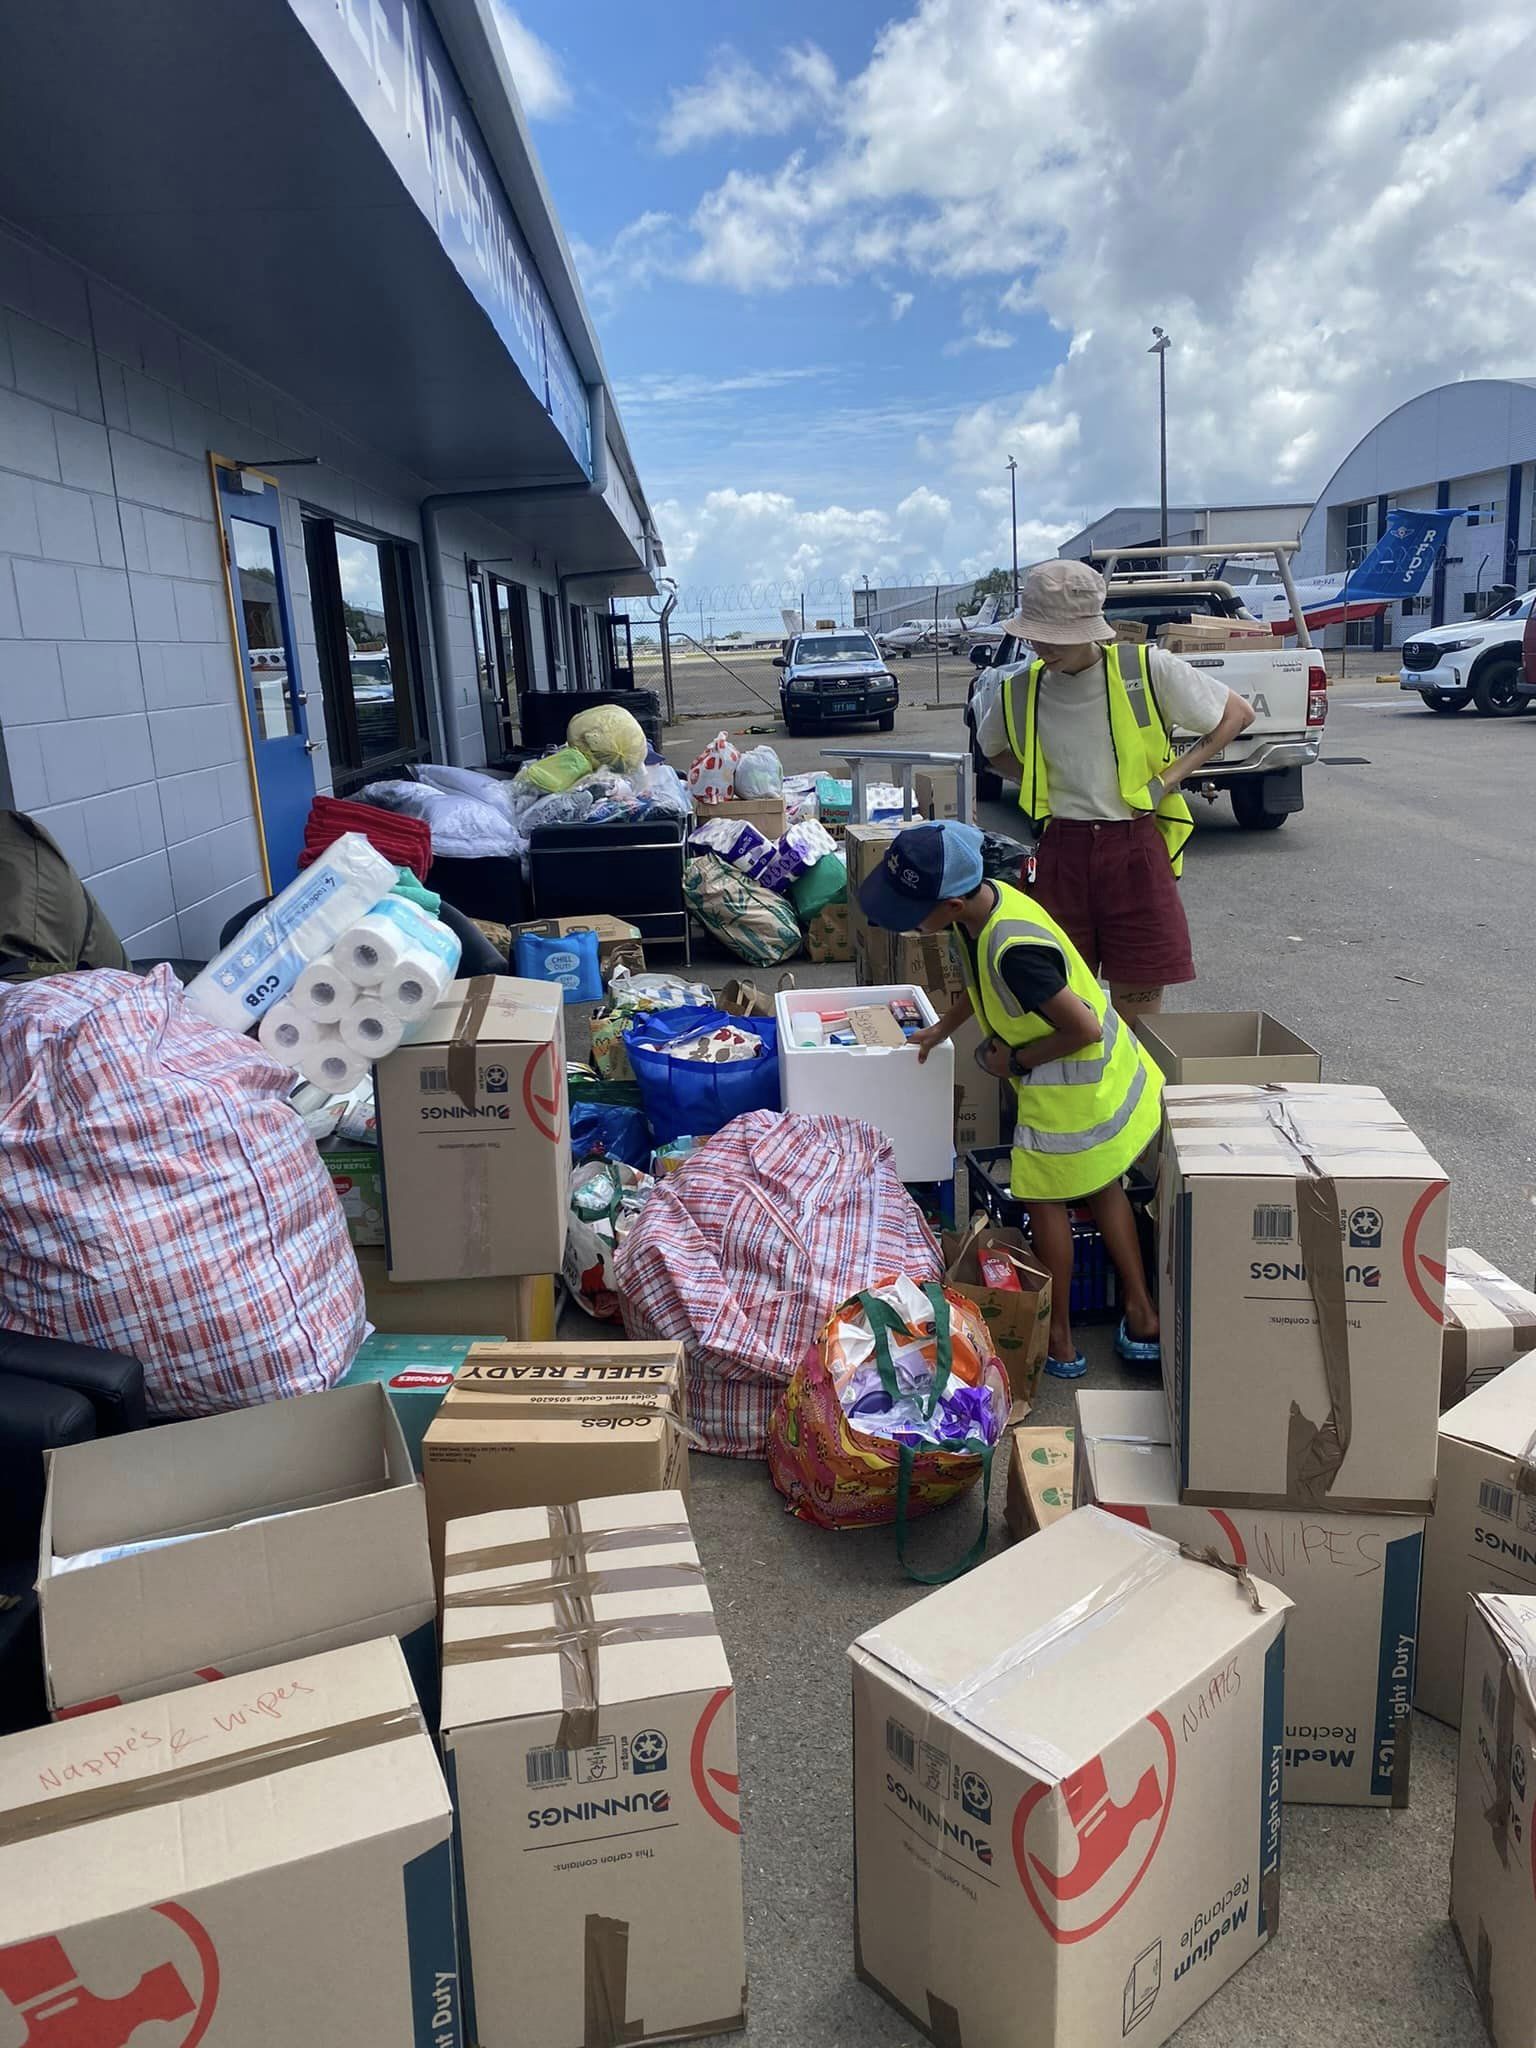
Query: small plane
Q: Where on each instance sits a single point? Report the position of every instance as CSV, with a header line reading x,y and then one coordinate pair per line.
x,y
916,635
1320,599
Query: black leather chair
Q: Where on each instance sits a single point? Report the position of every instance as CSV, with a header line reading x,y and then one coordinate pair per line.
x,y
52,1393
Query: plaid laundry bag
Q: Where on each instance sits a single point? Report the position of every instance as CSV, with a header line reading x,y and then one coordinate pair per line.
x,y
744,1252
159,1197
894,1412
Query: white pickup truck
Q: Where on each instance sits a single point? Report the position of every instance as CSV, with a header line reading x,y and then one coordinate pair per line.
x,y
1287,686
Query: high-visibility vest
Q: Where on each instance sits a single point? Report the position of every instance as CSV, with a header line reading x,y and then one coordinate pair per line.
x,y
1136,730
1082,1120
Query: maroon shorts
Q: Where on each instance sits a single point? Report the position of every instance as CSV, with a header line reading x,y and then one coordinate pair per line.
x,y
1112,890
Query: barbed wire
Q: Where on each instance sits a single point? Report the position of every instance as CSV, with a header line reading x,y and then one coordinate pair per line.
x,y
768,597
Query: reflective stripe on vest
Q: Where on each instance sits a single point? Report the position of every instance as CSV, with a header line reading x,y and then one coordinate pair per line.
x,y
1078,1071
1027,1139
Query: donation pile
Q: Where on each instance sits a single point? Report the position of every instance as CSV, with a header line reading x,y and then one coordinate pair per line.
x,y
335,971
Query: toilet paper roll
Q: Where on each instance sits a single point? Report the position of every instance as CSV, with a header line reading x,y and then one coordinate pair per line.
x,y
286,1032
415,987
330,1064
323,991
371,1027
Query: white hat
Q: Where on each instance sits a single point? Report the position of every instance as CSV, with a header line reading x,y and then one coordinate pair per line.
x,y
1061,603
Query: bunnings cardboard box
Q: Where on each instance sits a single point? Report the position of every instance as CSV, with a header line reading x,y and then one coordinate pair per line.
x,y
1193,1046
937,791
415,1372
357,1175
767,813
1039,1479
1349,1639
527,1425
1067,1791
1482,1535
589,1730
1489,1323
519,1307
200,1864
472,1126
1493,1901
1302,1261
1018,1319
213,1547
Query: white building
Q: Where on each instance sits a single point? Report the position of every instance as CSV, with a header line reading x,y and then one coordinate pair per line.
x,y
1470,444
308,462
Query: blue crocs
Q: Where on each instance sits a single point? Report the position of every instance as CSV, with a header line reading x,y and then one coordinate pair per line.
x,y
1136,1350
1067,1368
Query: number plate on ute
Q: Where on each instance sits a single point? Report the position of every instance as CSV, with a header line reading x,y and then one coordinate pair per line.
x,y
841,704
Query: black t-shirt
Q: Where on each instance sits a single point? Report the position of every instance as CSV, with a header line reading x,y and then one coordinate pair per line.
x,y
1033,974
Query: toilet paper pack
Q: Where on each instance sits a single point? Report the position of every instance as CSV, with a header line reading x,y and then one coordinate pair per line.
x,y
397,938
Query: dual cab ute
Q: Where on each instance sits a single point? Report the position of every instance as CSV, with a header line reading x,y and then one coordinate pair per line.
x,y
835,678
1287,686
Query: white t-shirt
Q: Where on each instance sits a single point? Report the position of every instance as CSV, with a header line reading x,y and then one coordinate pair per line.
x,y
1074,730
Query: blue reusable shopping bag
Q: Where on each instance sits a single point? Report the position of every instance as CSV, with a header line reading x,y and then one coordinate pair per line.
x,y
693,1098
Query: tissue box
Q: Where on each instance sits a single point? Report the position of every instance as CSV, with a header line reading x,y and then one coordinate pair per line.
x,y
472,1125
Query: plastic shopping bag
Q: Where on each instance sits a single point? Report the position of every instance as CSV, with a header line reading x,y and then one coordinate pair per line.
x,y
606,1198
712,777
893,1413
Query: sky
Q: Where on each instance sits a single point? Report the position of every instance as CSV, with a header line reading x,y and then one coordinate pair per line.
x,y
846,258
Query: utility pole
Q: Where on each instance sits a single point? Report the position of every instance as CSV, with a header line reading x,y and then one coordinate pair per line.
x,y
1013,499
1159,349
802,611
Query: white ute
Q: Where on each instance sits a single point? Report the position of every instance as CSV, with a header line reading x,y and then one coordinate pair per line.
x,y
1287,686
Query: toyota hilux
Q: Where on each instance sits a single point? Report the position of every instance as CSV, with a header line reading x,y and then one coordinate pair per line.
x,y
834,679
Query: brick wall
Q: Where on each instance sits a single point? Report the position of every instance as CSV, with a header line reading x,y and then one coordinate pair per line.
x,y
119,687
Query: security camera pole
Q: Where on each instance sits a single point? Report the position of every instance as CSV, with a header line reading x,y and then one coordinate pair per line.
x,y
1159,349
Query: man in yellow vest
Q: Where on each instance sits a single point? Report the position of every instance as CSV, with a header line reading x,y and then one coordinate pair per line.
x,y
1089,1095
1087,727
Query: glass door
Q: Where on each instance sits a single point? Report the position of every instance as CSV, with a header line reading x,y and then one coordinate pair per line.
x,y
261,620
509,626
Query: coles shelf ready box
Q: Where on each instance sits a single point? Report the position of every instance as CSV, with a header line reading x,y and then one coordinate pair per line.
x,y
1067,1791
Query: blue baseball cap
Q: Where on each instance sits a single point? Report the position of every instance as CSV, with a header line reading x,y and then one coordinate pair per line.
x,y
923,866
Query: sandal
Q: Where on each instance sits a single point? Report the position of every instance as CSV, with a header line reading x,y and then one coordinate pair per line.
x,y
1066,1368
1137,1350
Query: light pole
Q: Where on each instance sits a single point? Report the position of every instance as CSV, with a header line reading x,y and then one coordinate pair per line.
x,y
866,600
1159,349
1013,500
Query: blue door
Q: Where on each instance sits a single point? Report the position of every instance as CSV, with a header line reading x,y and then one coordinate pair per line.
x,y
277,726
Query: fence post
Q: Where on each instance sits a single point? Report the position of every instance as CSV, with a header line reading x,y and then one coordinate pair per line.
x,y
666,657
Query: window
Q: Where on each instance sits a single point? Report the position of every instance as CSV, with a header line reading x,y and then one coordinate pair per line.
x,y
554,659
1486,515
1357,536
1360,633
1472,602
366,637
256,590
1416,607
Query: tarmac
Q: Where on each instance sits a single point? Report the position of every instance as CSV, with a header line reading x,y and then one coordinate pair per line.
x,y
1387,923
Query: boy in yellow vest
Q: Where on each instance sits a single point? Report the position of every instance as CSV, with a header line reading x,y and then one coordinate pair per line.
x,y
1089,1096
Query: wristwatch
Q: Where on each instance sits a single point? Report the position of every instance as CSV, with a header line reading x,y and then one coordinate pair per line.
x,y
1013,1060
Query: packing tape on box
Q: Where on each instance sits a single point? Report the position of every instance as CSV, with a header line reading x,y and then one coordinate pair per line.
x,y
605,2021
576,1635
463,1052
1517,1699
90,1801
633,1578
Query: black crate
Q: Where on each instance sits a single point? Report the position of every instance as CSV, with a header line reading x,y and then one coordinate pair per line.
x,y
1095,1283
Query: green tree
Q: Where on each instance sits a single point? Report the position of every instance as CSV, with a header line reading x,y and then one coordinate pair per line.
x,y
996,583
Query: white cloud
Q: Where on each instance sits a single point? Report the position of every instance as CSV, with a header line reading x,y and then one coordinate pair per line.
x,y
979,337
901,304
536,70
736,98
1326,210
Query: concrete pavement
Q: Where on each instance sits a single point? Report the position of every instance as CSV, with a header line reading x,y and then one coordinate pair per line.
x,y
1390,922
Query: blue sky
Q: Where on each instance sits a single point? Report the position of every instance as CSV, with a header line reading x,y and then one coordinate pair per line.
x,y
846,258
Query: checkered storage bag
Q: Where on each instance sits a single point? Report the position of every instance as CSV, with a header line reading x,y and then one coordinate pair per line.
x,y
159,1197
744,1253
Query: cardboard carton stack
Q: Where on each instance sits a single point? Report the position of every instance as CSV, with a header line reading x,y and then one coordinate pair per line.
x,y
589,1729
1067,1791
1489,1323
1302,1236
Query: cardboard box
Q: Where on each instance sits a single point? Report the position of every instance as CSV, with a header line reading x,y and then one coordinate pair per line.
x,y
1489,1323
767,813
1019,1323
1493,1902
357,1175
937,792
619,944
272,1849
1349,1639
999,1842
306,1527
827,936
1196,1046
1215,636
1482,1535
520,1308
472,1125
1133,631
599,1824
913,1102
874,951
984,1106
1039,1480
415,1372
530,1425
1301,1258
